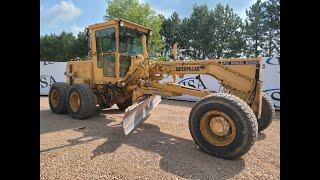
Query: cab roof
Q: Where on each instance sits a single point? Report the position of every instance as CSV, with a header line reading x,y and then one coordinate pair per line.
x,y
116,21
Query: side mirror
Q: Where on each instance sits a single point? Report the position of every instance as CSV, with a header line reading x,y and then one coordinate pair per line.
x,y
87,32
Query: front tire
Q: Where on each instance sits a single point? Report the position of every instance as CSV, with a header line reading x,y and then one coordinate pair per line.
x,y
81,101
57,97
223,125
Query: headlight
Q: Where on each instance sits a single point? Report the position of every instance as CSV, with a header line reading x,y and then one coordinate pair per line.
x,y
121,23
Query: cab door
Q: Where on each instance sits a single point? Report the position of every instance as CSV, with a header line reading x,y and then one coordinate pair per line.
x,y
106,52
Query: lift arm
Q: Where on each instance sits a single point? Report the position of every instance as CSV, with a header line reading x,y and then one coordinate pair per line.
x,y
240,76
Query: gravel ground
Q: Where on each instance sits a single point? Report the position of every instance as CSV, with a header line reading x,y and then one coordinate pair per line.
x,y
161,148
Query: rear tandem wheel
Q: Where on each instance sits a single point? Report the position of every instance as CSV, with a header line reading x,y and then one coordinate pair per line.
x,y
57,97
81,101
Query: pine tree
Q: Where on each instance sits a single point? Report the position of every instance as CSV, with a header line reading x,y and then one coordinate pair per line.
x,y
254,30
228,40
271,16
170,30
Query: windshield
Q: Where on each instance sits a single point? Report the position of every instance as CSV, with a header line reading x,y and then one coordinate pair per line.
x,y
130,41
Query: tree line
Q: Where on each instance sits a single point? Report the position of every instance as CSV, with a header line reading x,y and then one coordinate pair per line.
x,y
63,47
207,33
221,33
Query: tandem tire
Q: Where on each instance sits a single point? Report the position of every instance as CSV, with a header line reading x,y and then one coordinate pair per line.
x,y
267,113
223,125
57,97
125,105
81,101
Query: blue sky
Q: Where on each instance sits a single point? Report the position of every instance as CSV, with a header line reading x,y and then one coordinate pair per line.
x,y
74,15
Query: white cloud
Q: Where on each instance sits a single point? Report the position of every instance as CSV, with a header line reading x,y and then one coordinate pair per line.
x,y
62,12
166,13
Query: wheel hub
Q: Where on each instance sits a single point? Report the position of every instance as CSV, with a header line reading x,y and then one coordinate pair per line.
x,y
54,98
219,126
74,101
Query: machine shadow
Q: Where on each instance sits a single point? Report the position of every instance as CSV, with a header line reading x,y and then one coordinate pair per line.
x,y
50,122
179,156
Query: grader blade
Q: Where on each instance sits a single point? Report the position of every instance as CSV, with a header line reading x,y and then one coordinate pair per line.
x,y
139,113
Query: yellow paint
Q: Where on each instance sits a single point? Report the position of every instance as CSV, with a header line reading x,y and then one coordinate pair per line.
x,y
144,75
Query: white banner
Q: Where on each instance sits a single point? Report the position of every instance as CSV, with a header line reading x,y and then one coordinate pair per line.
x,y
271,80
51,72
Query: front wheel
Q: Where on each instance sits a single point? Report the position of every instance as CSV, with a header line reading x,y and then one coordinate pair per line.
x,y
223,125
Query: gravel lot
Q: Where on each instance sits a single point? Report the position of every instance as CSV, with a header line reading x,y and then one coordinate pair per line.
x,y
161,148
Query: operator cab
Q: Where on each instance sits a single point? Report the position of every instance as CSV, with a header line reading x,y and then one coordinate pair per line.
x,y
114,43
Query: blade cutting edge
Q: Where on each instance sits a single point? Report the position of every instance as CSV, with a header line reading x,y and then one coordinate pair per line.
x,y
139,113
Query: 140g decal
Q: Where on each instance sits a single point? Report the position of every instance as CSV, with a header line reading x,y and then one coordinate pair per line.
x,y
239,62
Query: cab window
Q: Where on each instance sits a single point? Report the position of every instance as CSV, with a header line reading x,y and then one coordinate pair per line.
x,y
105,43
105,40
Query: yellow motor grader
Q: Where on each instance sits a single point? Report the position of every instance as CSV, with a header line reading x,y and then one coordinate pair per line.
x,y
119,71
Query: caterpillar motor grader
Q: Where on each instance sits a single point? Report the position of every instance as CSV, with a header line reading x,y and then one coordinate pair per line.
x,y
119,71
